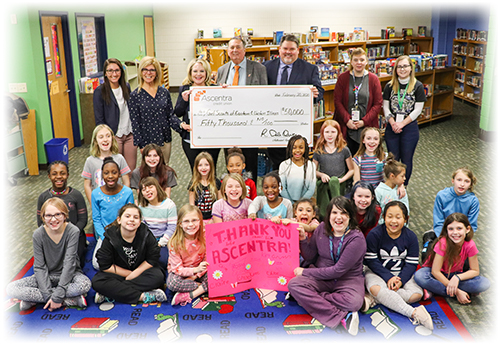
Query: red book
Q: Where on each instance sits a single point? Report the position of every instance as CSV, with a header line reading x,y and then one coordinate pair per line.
x,y
90,322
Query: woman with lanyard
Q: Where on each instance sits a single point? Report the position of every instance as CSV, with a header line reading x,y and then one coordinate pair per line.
x,y
332,288
358,99
404,98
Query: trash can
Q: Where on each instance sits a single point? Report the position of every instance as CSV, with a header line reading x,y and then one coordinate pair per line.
x,y
57,150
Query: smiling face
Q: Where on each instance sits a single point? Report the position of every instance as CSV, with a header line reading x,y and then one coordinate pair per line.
x,y
234,190
235,165
130,220
152,159
394,221
289,52
149,74
110,175
203,168
104,140
298,150
403,68
304,212
461,183
191,224
58,175
362,199
113,73
236,51
371,141
457,232
339,220
330,134
271,188
198,74
54,218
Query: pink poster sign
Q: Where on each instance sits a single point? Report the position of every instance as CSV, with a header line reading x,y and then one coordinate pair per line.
x,y
248,254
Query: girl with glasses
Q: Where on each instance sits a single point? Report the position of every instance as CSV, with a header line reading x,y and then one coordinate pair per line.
x,y
58,279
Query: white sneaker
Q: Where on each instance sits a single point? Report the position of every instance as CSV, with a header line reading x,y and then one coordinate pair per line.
x,y
24,305
351,323
422,317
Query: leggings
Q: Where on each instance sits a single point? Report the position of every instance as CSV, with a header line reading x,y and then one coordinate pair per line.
x,y
176,283
26,289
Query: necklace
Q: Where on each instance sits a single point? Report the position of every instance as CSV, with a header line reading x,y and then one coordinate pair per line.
x,y
57,193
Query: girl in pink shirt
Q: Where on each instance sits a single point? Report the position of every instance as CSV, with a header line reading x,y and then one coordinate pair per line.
x,y
443,273
187,267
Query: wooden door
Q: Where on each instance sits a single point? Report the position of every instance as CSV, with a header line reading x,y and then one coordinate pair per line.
x,y
150,36
55,62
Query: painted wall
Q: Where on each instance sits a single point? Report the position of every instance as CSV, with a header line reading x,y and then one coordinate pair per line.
x,y
124,33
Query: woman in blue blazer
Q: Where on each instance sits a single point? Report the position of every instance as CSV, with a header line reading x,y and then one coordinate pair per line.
x,y
111,108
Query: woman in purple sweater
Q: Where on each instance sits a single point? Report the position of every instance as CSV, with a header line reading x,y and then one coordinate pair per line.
x,y
332,288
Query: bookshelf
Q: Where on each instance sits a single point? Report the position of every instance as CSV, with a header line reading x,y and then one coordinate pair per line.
x,y
439,82
468,58
202,45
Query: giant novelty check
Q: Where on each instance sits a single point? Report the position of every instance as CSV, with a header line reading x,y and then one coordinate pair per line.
x,y
250,116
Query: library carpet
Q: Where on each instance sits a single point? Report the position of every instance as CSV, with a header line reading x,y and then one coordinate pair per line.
x,y
252,315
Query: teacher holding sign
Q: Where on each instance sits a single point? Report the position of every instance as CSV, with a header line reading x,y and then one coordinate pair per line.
x,y
290,70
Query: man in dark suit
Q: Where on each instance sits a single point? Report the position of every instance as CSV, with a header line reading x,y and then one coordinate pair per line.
x,y
290,70
247,72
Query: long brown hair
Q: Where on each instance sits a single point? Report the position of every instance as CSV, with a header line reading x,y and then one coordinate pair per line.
x,y
195,184
452,252
161,195
106,88
162,168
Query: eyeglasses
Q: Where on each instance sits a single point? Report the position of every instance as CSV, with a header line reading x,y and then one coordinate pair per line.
x,y
113,71
188,221
403,66
57,216
148,70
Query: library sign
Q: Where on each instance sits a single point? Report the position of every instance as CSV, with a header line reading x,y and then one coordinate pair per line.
x,y
250,116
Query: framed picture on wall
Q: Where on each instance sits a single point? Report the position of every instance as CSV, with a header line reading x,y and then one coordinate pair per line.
x,y
422,31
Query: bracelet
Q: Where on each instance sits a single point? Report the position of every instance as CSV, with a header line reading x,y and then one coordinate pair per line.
x,y
459,280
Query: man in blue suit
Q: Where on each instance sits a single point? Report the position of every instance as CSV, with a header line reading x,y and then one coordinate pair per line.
x,y
290,70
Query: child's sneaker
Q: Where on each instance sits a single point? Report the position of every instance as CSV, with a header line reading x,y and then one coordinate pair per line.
x,y
100,298
78,301
24,305
351,322
368,302
155,295
427,295
181,298
422,317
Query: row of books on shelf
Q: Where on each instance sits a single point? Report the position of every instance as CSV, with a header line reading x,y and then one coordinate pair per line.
x,y
475,95
474,51
88,84
477,67
474,35
474,80
460,76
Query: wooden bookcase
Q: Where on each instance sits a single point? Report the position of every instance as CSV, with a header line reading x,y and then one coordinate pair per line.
x,y
468,58
202,45
439,102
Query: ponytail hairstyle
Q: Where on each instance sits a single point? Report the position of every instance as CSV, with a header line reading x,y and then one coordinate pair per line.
x,y
452,253
289,154
392,166
120,214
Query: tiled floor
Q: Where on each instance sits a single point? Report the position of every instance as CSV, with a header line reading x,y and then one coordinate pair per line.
x,y
443,147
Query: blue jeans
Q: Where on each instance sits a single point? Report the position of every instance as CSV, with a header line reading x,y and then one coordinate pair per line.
x,y
426,280
403,145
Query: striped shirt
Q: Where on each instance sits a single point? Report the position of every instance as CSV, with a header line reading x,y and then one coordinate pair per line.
x,y
160,219
368,169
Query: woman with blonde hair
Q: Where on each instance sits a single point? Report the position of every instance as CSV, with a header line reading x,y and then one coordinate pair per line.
x,y
151,111
404,98
358,99
198,74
